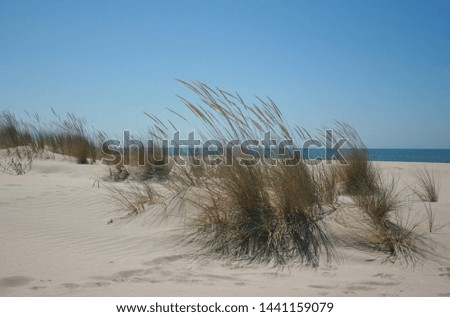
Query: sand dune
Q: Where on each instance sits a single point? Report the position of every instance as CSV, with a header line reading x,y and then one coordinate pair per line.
x,y
55,241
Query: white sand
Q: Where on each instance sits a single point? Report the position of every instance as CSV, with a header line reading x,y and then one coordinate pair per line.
x,y
55,241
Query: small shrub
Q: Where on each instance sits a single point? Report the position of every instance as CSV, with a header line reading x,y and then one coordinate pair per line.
x,y
428,185
327,179
134,197
13,132
399,241
384,231
18,161
380,202
358,174
257,213
157,166
72,139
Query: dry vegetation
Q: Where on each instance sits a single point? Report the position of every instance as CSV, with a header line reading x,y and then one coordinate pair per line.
x,y
274,213
269,213
134,197
67,136
257,213
428,185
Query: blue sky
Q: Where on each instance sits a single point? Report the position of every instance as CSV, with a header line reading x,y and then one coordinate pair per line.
x,y
381,66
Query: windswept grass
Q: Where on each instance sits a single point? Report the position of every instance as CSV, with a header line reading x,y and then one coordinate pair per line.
x,y
71,138
157,165
399,240
380,203
134,196
13,132
252,212
428,184
67,136
16,161
327,179
430,216
272,211
358,174
384,228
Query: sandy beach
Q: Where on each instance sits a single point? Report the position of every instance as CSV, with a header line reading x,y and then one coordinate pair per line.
x,y
56,241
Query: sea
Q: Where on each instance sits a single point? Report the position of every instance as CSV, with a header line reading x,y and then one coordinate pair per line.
x,y
389,155
398,155
410,155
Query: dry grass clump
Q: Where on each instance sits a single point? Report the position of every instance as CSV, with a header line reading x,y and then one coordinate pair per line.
x,y
157,165
13,132
16,142
134,196
71,138
118,173
246,213
428,185
67,136
385,231
253,212
273,213
16,161
141,164
358,174
399,240
382,227
327,179
379,203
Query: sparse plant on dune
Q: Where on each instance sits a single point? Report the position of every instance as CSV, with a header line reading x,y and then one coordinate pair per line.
x,y
430,216
72,139
379,203
157,165
134,196
271,211
13,132
358,174
327,179
17,161
118,173
398,239
65,136
384,230
17,144
428,185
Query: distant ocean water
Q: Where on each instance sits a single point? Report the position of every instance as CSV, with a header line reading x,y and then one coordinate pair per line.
x,y
388,155
395,155
410,155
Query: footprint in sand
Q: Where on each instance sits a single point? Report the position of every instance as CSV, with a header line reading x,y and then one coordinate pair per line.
x,y
15,281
